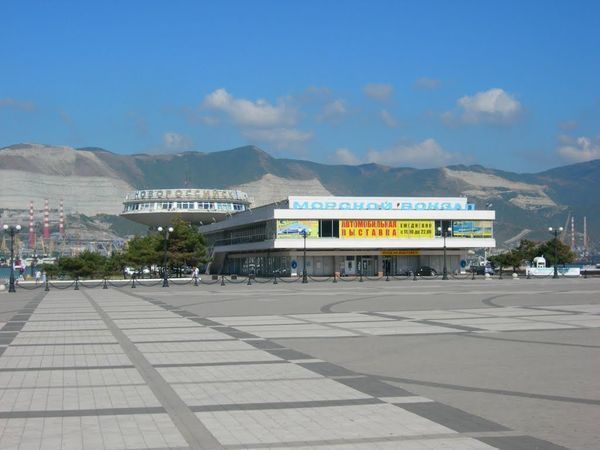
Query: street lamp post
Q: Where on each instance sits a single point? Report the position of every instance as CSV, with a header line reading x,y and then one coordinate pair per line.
x,y
555,232
304,277
167,230
445,235
34,259
12,231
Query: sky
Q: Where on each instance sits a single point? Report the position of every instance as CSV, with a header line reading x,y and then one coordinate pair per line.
x,y
512,85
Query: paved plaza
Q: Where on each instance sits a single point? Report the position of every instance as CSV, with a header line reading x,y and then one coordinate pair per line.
x,y
458,364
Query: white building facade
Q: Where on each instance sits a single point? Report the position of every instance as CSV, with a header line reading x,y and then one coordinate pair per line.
x,y
348,236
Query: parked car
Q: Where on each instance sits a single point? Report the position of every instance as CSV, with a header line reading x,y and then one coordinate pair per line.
x,y
482,270
426,271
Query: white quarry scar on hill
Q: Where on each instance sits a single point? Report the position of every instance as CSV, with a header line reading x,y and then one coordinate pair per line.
x,y
271,188
87,195
487,186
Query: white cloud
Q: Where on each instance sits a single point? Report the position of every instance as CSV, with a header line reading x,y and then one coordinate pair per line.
x,y
579,149
379,91
388,119
427,153
280,137
493,106
21,105
346,156
333,111
258,113
426,83
176,141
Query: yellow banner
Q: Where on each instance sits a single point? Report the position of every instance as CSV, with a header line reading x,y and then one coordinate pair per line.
x,y
387,229
397,252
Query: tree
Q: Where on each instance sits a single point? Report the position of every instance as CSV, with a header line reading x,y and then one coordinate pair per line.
x,y
563,251
186,245
84,265
512,258
142,251
528,250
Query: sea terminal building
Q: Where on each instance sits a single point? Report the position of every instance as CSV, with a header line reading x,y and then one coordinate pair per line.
x,y
349,236
156,207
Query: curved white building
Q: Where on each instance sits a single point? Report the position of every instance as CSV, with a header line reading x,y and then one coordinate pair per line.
x,y
154,207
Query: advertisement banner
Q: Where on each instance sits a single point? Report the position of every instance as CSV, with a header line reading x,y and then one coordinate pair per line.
x,y
400,252
472,228
387,229
295,229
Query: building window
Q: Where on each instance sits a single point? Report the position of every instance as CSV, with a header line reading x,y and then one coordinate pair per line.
x,y
329,228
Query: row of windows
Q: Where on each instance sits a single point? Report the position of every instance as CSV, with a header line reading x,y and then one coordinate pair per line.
x,y
173,206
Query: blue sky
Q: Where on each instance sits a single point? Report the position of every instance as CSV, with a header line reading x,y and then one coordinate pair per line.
x,y
509,85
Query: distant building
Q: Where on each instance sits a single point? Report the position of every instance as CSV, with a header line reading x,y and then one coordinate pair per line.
x,y
350,235
155,207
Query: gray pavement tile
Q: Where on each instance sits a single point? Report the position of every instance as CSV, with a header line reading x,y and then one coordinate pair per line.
x,y
328,369
374,387
205,321
285,405
13,326
288,354
183,313
520,443
29,369
453,418
263,344
447,325
223,363
233,332
81,412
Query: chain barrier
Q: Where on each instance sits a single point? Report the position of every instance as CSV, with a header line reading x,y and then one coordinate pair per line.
x,y
374,278
215,281
55,286
265,280
290,281
183,283
428,277
317,280
124,283
149,284
29,288
347,279
232,281
465,276
401,277
82,284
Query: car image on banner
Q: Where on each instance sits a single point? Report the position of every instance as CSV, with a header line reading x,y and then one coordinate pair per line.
x,y
297,228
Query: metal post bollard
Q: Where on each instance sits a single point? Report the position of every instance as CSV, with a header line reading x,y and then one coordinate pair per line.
x,y
274,277
585,274
249,280
195,280
105,286
473,274
133,282
76,284
47,288
360,279
387,276
222,280
334,277
414,274
500,278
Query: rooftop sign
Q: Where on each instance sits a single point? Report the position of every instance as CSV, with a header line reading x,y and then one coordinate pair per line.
x,y
188,194
381,203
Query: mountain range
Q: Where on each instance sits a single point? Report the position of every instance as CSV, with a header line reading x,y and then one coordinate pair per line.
x,y
94,181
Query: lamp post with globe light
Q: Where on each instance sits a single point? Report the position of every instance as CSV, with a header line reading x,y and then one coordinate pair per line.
x,y
555,232
167,230
12,230
445,235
